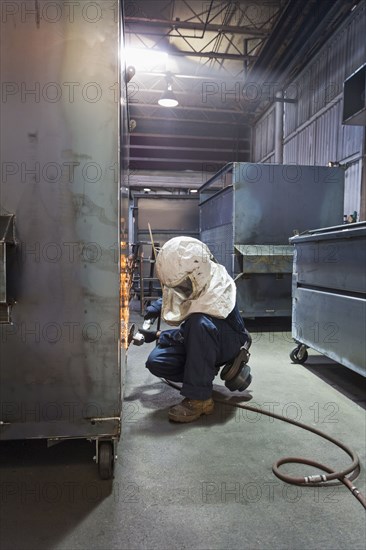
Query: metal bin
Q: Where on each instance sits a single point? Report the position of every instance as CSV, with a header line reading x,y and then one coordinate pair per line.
x,y
329,294
247,214
63,216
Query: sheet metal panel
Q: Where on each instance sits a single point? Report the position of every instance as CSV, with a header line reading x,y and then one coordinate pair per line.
x,y
333,259
272,201
302,86
177,213
350,139
352,192
264,295
169,216
332,324
356,44
220,242
300,149
319,86
329,293
216,227
336,63
265,258
60,360
264,135
266,204
218,210
325,136
3,295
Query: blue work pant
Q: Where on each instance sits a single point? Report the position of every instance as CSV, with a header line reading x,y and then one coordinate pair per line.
x,y
192,353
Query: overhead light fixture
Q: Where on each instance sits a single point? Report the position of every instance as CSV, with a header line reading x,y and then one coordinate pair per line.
x,y
168,98
147,189
144,59
193,190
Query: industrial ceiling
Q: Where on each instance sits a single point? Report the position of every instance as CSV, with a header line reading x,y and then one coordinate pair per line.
x,y
225,61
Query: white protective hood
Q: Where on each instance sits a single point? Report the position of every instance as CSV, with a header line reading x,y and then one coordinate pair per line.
x,y
192,281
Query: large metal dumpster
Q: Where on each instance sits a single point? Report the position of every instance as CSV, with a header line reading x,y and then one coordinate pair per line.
x,y
329,294
247,214
62,221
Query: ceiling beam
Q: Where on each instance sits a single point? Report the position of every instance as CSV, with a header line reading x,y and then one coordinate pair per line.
x,y
235,112
213,55
178,148
234,29
201,122
173,160
186,136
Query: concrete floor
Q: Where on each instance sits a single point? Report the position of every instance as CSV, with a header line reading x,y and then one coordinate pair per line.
x,y
206,485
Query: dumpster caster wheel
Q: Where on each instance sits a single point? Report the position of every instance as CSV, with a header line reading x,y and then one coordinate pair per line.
x,y
299,354
105,460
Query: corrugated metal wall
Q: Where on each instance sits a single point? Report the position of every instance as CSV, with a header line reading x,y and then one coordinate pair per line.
x,y
264,137
313,130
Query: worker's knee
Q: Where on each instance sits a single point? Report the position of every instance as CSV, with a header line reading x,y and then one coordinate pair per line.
x,y
167,362
153,361
200,330
199,322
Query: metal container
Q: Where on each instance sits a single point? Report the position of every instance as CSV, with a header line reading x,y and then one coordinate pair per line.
x,y
329,294
62,355
247,214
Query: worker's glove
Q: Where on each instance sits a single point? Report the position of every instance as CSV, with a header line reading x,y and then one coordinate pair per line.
x,y
153,310
149,335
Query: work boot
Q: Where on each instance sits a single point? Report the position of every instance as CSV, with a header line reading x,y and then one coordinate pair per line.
x,y
190,409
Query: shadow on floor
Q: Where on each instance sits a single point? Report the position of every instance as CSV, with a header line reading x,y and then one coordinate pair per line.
x,y
158,397
344,380
45,493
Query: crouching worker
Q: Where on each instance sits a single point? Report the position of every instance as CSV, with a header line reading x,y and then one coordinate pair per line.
x,y
199,297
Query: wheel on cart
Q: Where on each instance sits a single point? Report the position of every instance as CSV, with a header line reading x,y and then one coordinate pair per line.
x,y
299,354
106,459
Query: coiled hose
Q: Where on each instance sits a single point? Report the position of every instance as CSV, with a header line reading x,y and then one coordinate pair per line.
x,y
313,480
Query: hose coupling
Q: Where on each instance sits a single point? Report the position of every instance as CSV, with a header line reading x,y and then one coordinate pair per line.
x,y
315,478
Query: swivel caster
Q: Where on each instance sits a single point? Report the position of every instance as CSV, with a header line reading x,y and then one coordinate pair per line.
x,y
299,354
106,459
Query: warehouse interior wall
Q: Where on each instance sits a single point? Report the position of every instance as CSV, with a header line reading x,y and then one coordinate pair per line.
x,y
313,133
